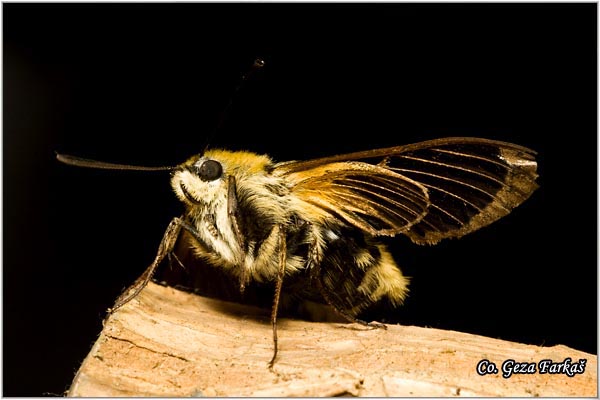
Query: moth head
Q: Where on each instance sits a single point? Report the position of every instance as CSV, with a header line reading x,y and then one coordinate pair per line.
x,y
203,179
199,180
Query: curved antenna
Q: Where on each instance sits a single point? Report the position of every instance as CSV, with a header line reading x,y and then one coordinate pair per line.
x,y
87,163
256,65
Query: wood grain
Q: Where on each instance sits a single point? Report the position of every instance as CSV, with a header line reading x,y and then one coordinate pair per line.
x,y
171,343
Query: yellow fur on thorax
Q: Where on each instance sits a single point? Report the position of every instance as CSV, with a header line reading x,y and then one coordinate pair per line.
x,y
240,161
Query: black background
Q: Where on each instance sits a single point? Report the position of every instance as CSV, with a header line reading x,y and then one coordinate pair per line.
x,y
144,84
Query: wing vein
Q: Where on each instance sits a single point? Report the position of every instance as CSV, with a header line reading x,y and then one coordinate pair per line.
x,y
424,160
379,215
454,195
448,214
395,192
491,195
390,210
468,155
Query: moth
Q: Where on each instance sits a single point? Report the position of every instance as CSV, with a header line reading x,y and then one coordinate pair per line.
x,y
321,220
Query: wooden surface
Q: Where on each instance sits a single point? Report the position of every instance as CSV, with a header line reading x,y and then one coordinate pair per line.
x,y
170,343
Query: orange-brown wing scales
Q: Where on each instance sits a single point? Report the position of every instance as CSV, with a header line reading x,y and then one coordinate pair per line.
x,y
372,198
431,190
470,185
378,195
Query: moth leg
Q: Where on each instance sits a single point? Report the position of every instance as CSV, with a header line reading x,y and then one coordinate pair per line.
x,y
315,272
278,285
171,255
165,248
347,315
234,216
232,211
351,318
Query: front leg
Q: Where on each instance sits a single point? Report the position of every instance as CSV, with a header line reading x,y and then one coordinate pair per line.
x,y
234,216
165,248
278,284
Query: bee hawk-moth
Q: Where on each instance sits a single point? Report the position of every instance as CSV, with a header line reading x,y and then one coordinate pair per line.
x,y
322,219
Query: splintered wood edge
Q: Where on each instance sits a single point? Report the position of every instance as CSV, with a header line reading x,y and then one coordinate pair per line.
x,y
169,343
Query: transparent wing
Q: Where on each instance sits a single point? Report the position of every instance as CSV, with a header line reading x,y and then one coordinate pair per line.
x,y
468,183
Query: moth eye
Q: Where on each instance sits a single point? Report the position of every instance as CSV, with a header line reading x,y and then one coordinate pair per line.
x,y
210,170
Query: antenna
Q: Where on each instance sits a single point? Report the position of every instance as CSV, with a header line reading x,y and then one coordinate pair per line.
x,y
256,66
87,163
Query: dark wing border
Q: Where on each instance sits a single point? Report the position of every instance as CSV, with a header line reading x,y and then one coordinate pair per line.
x,y
295,166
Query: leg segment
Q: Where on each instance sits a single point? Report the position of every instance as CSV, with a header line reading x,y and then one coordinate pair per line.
x,y
353,272
278,284
165,248
349,317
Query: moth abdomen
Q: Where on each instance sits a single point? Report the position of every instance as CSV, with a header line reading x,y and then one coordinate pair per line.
x,y
357,271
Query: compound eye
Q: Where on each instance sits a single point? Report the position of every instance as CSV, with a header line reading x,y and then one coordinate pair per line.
x,y
210,170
